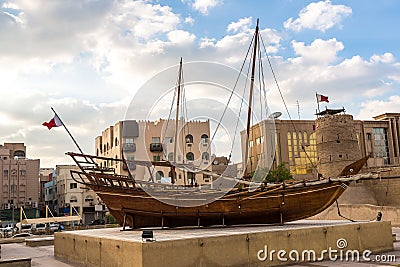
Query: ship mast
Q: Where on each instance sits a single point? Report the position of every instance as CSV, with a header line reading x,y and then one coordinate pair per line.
x,y
173,173
250,97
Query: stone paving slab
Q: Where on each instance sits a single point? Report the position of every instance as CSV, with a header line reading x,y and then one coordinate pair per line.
x,y
194,232
44,256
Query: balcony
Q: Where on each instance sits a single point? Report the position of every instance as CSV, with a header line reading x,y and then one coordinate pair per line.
x,y
131,147
156,147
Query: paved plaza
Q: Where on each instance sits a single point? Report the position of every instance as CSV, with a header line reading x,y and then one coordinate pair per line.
x,y
44,256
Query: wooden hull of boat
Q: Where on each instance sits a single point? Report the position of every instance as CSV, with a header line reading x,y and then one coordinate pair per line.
x,y
138,209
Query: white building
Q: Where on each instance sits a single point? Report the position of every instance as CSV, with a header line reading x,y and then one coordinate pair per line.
x,y
71,194
155,141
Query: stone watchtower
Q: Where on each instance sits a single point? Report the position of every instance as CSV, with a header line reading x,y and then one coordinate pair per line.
x,y
337,144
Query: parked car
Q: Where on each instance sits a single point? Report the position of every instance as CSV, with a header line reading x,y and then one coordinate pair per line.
x,y
97,222
25,228
22,235
39,228
54,227
7,229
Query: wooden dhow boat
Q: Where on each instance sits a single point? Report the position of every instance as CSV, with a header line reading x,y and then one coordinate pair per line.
x,y
137,203
131,203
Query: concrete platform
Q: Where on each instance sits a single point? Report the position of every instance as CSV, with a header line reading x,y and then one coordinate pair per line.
x,y
22,262
40,241
223,246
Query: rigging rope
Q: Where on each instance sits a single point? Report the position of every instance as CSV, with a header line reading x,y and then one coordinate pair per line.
x,y
283,100
378,216
240,112
230,97
170,111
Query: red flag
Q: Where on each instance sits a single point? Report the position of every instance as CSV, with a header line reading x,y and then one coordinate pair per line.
x,y
322,98
54,122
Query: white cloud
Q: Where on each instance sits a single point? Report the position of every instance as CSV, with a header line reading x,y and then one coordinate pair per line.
x,y
88,59
318,52
84,119
207,42
240,25
374,108
385,58
319,16
232,48
189,20
10,6
204,5
180,37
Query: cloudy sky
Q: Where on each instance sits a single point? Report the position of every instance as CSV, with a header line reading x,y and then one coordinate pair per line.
x,y
88,58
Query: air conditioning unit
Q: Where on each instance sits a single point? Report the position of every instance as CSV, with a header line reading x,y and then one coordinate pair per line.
x,y
7,206
34,204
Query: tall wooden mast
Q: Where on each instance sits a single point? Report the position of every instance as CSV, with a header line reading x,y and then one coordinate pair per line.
x,y
178,100
251,97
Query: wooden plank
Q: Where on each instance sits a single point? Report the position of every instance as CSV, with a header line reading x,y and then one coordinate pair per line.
x,y
52,219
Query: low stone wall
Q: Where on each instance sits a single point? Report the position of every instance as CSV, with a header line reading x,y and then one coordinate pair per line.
x,y
40,241
26,262
219,248
360,212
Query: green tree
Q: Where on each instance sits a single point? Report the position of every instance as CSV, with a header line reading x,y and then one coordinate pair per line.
x,y
110,219
279,174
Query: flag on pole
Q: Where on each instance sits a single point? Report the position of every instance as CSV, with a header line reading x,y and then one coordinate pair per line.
x,y
322,98
54,122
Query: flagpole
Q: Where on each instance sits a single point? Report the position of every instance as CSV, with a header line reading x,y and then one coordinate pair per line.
x,y
65,127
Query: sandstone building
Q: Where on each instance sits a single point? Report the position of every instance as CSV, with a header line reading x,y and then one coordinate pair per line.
x,y
19,177
62,193
155,141
296,142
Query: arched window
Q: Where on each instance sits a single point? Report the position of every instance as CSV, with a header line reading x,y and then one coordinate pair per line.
x,y
204,138
171,156
116,142
19,154
190,156
159,174
189,139
205,156
97,152
73,199
89,198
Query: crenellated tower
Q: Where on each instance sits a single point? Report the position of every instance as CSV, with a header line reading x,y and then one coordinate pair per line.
x,y
336,143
